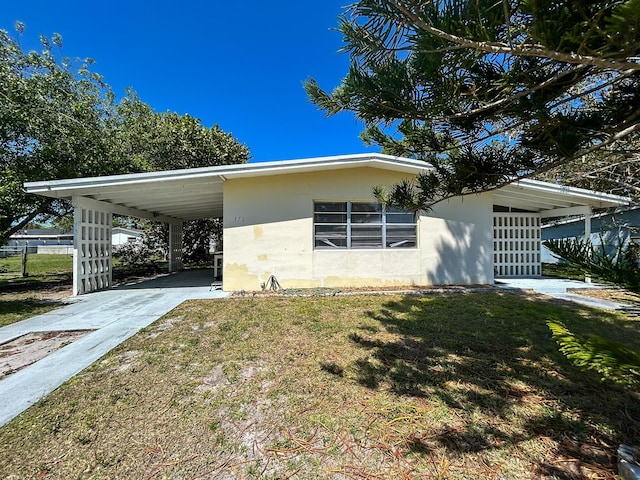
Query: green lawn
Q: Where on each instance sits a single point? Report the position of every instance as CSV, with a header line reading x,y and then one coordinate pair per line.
x,y
49,278
368,387
40,268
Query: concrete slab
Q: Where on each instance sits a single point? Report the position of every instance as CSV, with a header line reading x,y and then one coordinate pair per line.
x,y
114,314
559,288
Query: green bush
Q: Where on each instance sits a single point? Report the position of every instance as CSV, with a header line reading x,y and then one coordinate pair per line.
x,y
619,266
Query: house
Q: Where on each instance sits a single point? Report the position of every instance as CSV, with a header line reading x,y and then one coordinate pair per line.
x,y
315,223
122,235
43,240
610,229
52,240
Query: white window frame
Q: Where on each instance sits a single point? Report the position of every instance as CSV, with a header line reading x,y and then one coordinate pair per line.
x,y
383,225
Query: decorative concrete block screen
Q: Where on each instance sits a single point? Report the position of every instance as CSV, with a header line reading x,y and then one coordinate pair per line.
x,y
516,244
175,247
92,250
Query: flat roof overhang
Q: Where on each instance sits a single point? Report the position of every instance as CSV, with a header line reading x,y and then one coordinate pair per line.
x,y
196,193
537,196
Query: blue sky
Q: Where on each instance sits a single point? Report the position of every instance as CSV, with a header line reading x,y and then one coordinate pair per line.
x,y
238,64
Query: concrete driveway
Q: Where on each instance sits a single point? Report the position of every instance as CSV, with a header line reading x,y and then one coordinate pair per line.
x,y
114,314
559,288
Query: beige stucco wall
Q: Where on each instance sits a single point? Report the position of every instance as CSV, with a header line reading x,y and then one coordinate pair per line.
x,y
268,229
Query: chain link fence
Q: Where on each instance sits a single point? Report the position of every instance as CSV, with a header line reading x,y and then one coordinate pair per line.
x,y
13,261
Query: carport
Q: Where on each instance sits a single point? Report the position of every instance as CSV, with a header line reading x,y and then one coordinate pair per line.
x,y
171,197
519,210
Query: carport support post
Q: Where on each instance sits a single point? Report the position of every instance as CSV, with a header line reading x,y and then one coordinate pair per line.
x,y
91,245
587,237
175,247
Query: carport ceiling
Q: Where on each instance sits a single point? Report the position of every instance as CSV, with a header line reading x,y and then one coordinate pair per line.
x,y
178,196
197,193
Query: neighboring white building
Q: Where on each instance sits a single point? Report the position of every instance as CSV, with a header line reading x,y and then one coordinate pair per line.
x,y
121,235
48,240
315,223
43,240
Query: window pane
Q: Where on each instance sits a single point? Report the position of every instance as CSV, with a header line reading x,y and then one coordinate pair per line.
x,y
400,218
401,236
330,206
331,236
366,218
401,230
330,218
401,242
332,230
331,243
366,231
366,207
366,242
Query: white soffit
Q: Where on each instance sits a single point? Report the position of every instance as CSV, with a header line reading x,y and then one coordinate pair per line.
x,y
538,196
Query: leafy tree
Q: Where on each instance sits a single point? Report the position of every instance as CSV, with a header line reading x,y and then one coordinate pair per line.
x,y
487,91
168,141
60,120
52,125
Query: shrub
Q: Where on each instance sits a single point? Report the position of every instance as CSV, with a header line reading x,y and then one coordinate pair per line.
x,y
619,266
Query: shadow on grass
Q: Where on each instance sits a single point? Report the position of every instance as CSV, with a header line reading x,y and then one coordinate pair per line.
x,y
35,283
15,310
491,357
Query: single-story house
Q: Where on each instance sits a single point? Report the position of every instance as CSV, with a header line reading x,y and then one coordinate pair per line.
x,y
122,235
43,240
608,229
315,223
52,240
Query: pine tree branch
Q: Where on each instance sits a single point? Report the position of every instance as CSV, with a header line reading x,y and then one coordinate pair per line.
x,y
524,51
611,140
598,87
507,100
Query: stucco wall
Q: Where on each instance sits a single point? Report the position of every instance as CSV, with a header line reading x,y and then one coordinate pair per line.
x,y
268,229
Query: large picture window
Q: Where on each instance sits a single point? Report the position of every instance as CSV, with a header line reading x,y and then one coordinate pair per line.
x,y
362,225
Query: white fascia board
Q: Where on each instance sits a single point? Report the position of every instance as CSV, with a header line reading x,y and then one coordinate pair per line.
x,y
378,160
589,197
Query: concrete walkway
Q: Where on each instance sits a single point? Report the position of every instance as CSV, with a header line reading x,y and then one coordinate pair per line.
x,y
114,314
558,288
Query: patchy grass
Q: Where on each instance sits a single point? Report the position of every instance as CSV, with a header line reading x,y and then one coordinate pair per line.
x,y
15,307
441,386
48,281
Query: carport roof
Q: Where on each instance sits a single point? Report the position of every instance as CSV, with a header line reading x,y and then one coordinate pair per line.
x,y
195,193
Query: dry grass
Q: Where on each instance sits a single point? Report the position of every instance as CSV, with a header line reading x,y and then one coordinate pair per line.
x,y
373,387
